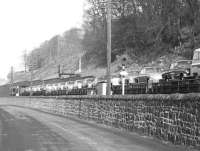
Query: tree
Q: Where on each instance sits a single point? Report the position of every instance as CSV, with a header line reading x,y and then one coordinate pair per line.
x,y
146,27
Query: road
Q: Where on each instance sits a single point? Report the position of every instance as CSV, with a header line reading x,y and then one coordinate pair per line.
x,y
23,129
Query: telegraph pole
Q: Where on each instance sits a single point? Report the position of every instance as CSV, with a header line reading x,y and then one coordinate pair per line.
x,y
25,60
58,54
108,47
79,65
11,80
11,75
31,82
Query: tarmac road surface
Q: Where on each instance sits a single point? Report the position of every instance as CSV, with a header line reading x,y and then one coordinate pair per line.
x,y
24,129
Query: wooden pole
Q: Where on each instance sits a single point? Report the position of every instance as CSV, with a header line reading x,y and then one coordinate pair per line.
x,y
108,47
25,61
31,83
11,80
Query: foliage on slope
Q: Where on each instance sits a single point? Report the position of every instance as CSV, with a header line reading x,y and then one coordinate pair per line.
x,y
144,29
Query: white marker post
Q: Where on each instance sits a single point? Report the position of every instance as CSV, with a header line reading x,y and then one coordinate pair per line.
x,y
123,73
123,85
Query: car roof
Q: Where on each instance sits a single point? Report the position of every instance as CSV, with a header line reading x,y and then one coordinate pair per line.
x,y
173,70
183,61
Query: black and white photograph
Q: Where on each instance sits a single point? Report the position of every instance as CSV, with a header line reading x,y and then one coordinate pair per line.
x,y
100,75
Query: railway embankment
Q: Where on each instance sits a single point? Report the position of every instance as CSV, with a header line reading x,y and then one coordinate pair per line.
x,y
174,118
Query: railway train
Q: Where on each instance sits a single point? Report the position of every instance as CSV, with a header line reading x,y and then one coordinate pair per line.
x,y
53,87
182,77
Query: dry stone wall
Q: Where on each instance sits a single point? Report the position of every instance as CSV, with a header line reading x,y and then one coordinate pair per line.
x,y
174,118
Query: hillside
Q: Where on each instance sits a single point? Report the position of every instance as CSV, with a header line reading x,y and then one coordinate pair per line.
x,y
146,32
69,62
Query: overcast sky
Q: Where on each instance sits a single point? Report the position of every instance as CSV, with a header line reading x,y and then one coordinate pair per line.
x,y
25,24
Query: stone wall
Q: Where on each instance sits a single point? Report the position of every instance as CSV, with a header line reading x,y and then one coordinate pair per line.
x,y
174,118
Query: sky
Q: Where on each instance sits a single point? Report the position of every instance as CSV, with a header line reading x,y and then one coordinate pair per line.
x,y
25,24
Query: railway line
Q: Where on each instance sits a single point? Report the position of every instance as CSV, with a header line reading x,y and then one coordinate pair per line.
x,y
181,77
